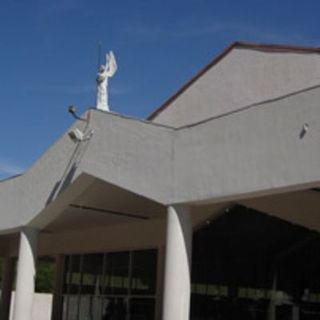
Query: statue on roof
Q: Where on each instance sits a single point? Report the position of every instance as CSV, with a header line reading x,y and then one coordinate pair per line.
x,y
105,72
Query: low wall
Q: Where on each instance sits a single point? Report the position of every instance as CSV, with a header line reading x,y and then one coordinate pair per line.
x,y
42,306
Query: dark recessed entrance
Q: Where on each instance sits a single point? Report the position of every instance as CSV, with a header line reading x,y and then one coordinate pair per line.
x,y
248,265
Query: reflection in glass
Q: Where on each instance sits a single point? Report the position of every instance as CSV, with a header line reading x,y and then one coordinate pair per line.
x,y
73,304
116,277
144,267
91,274
74,278
252,266
105,286
115,308
65,307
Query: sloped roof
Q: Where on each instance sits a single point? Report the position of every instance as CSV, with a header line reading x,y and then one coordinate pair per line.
x,y
225,52
251,151
254,151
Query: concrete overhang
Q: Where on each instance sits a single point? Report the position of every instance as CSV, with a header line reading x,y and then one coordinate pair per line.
x,y
300,207
100,204
258,150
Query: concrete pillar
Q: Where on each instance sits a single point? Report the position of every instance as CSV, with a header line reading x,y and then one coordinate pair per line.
x,y
26,272
7,282
177,279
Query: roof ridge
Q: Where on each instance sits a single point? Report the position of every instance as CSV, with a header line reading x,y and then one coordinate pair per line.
x,y
276,47
219,57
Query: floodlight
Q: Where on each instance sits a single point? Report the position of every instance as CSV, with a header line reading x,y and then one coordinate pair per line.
x,y
76,135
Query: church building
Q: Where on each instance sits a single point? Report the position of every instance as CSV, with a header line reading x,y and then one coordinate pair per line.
x,y
208,209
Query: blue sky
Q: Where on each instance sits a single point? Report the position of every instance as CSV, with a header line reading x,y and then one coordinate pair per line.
x,y
48,56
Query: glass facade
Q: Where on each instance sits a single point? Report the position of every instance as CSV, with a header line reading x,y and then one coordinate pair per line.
x,y
245,265
251,266
110,286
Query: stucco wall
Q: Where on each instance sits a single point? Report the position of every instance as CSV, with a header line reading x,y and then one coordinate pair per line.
x,y
252,152
243,77
132,154
258,150
23,196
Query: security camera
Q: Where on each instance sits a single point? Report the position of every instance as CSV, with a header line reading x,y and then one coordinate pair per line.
x,y
76,135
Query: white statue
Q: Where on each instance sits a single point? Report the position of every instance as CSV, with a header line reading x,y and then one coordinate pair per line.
x,y
105,72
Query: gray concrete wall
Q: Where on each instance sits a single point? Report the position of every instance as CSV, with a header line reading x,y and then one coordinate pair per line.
x,y
24,196
243,77
256,151
131,154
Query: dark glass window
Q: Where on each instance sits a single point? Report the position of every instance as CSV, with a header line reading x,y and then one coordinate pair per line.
x,y
67,265
144,265
107,286
115,308
116,275
142,309
73,277
249,265
92,274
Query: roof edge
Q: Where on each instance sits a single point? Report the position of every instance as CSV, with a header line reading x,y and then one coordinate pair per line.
x,y
227,50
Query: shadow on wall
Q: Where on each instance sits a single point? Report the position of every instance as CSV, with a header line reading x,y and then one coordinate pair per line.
x,y
62,184
70,170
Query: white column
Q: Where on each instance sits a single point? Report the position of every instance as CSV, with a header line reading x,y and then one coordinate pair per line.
x,y
7,281
177,279
26,272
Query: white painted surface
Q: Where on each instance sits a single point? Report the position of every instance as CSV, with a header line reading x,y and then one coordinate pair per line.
x,y
177,279
251,153
41,307
26,272
243,77
105,72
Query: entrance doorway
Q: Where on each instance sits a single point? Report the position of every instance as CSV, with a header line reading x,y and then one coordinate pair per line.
x,y
251,266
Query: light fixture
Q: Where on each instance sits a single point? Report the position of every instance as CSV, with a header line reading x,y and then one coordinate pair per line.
x,y
304,130
76,135
73,111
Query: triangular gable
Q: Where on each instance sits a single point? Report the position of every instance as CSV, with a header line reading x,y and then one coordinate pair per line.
x,y
174,109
